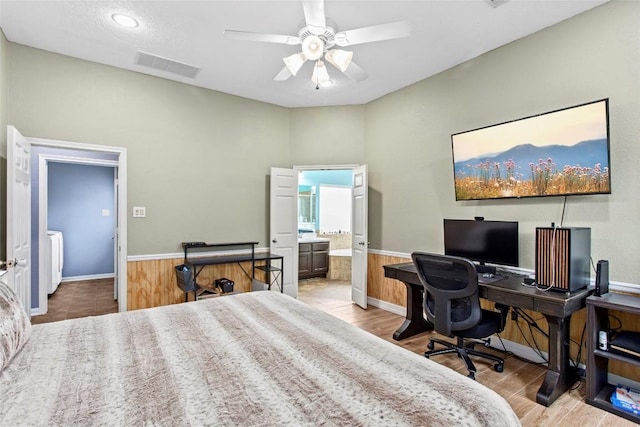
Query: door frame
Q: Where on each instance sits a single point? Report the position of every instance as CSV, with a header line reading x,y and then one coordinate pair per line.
x,y
43,218
121,216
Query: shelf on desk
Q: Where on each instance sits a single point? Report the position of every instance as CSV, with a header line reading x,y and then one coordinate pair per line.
x,y
265,256
267,268
613,355
268,256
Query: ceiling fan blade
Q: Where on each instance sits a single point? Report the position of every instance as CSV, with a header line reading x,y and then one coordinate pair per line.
x,y
261,37
283,75
314,16
374,33
355,73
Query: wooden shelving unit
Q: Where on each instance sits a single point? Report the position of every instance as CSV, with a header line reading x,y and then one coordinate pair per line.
x,y
599,390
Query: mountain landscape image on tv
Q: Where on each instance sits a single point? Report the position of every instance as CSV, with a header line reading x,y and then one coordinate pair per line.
x,y
559,153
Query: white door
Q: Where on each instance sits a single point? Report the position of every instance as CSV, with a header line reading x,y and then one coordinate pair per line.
x,y
360,236
283,228
19,216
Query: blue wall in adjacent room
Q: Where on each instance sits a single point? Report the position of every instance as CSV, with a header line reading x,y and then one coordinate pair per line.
x,y
77,196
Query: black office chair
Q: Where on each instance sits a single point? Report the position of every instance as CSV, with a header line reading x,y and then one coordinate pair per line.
x,y
452,304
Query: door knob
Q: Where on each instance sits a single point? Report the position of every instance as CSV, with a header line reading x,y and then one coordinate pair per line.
x,y
361,243
274,241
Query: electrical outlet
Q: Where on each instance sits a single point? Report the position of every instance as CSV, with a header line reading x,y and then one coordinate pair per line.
x,y
139,212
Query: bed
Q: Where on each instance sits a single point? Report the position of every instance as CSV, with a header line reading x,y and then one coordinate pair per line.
x,y
251,359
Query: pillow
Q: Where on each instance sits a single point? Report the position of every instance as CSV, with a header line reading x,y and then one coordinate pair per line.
x,y
15,326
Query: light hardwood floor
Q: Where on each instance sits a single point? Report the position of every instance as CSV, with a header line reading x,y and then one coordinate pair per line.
x,y
518,383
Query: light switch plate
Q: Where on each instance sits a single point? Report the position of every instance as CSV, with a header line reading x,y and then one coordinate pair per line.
x,y
105,212
139,212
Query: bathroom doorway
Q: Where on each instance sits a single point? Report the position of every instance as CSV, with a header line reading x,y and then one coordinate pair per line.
x,y
324,217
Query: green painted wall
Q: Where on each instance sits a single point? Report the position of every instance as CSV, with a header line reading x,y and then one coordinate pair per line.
x,y
199,160
408,137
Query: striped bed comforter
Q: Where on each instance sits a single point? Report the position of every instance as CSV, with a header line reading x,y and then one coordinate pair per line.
x,y
252,359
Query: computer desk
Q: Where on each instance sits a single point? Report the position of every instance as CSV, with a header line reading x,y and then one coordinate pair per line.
x,y
557,308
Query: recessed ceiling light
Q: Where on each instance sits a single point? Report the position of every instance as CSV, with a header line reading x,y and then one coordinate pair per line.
x,y
124,20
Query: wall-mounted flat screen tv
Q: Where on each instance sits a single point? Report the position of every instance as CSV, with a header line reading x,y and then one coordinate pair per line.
x,y
559,153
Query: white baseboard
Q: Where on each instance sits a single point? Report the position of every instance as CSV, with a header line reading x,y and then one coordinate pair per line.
x,y
88,277
387,306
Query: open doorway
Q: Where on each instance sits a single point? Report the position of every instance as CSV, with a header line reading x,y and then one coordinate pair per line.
x,y
285,236
74,198
324,228
87,167
20,195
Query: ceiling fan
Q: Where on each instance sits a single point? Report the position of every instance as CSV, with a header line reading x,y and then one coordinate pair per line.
x,y
318,38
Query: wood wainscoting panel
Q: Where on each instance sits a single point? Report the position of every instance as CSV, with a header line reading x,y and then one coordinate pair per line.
x,y
152,283
383,288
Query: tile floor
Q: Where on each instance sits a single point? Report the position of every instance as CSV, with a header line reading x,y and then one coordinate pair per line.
x,y
324,290
79,299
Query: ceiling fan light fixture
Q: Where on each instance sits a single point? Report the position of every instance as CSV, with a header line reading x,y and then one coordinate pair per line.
x,y
320,75
312,47
294,62
341,59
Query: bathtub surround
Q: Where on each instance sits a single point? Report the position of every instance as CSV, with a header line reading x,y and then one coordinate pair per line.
x,y
339,255
340,264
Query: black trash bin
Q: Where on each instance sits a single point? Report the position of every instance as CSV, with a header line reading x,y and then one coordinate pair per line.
x,y
184,276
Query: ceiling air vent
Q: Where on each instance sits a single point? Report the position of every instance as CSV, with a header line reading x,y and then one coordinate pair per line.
x,y
165,64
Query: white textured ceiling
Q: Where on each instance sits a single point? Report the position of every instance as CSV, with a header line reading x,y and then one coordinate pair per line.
x,y
444,33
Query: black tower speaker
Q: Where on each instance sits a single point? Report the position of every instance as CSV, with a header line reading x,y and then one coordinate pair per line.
x,y
563,258
602,277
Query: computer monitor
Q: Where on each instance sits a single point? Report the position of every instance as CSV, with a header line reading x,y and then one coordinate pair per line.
x,y
494,242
